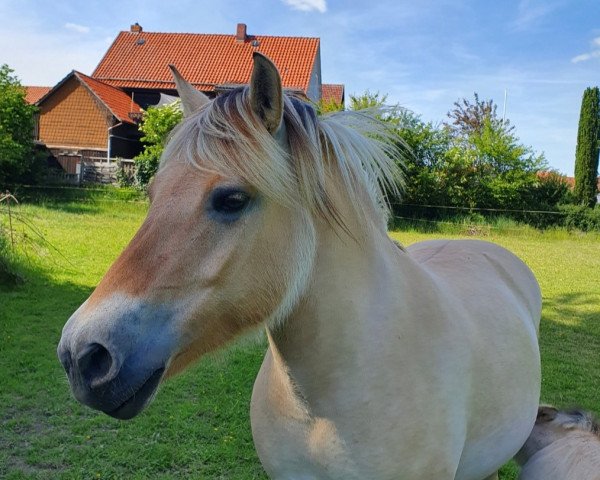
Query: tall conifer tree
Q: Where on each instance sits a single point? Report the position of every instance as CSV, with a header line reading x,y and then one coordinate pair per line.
x,y
586,155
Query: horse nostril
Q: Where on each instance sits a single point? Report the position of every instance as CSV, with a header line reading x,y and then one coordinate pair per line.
x,y
94,363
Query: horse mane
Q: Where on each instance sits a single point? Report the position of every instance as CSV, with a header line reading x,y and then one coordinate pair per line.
x,y
227,137
584,421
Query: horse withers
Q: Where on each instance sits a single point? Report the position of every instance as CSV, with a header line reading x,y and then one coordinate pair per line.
x,y
382,362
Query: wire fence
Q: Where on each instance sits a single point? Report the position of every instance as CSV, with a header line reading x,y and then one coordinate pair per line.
x,y
478,209
464,216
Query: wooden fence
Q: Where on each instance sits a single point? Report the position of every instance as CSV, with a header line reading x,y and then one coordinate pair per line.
x,y
89,171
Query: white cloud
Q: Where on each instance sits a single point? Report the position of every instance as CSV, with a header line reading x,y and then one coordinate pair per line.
x,y
581,58
77,28
595,53
44,56
532,12
307,5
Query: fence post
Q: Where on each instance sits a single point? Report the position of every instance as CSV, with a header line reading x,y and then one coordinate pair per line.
x,y
81,170
12,238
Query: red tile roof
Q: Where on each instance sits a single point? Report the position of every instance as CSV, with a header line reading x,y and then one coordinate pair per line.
x,y
33,94
332,92
118,102
570,181
141,59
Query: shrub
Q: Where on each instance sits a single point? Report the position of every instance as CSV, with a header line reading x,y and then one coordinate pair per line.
x,y
157,125
18,160
581,217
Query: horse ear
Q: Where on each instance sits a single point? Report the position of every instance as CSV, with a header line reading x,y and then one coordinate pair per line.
x,y
191,99
546,413
266,93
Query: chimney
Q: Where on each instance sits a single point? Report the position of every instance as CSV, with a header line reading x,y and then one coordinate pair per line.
x,y
136,28
240,33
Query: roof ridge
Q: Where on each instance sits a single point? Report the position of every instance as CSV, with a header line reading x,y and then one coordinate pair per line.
x,y
206,59
86,80
250,35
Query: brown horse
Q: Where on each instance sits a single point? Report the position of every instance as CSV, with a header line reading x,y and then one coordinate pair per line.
x,y
383,362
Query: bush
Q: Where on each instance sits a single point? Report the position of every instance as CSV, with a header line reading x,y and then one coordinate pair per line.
x,y
156,127
18,160
581,217
125,176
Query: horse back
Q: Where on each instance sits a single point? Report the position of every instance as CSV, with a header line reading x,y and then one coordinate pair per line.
x,y
480,273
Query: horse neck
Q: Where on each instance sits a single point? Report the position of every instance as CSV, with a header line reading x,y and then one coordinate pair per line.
x,y
354,289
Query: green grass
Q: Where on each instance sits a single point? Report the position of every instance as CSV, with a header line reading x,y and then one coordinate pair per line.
x,y
198,426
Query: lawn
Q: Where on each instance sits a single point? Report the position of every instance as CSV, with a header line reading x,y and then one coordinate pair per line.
x,y
198,426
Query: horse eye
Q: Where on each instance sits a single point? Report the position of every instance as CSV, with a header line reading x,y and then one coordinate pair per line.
x,y
229,201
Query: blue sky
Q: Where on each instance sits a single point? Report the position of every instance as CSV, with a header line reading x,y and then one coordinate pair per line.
x,y
424,54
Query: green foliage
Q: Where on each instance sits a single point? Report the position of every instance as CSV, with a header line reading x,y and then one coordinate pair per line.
x,y
367,100
550,190
125,176
581,217
468,118
328,106
586,154
18,161
476,161
156,126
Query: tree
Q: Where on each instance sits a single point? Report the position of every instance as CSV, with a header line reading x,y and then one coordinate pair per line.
x,y
328,106
469,118
586,153
17,157
367,100
156,127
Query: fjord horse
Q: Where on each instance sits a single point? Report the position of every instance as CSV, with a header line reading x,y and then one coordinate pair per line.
x,y
383,362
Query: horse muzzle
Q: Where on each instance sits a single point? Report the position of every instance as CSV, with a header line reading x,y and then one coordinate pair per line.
x,y
116,366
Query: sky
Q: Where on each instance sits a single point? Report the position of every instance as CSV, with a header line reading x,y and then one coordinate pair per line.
x,y
424,54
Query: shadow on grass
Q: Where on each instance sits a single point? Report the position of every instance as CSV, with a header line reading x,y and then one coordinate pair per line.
x,y
34,389
570,346
198,427
79,208
574,308
78,200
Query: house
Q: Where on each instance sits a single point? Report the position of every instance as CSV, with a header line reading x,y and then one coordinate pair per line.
x,y
91,119
137,62
333,93
82,118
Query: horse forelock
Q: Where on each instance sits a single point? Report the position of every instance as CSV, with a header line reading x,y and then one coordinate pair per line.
x,y
228,138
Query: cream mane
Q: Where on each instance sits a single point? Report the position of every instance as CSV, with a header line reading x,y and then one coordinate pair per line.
x,y
225,136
